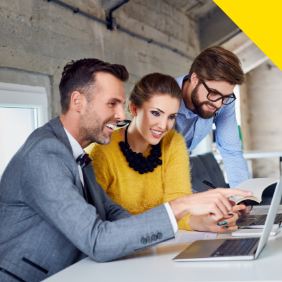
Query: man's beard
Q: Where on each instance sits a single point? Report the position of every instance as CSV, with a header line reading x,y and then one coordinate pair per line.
x,y
91,128
199,110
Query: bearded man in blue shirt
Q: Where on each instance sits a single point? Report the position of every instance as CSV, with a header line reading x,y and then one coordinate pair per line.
x,y
208,98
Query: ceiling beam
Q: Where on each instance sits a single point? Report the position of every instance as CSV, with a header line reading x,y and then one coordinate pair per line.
x,y
247,51
215,27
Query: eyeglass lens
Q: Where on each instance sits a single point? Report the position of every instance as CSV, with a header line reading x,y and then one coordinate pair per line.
x,y
214,97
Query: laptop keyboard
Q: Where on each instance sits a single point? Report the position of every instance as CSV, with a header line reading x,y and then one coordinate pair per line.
x,y
235,247
262,218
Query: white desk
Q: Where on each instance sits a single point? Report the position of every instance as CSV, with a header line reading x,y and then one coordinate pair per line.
x,y
155,264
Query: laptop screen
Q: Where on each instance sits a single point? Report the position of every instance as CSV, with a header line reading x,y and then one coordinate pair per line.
x,y
270,217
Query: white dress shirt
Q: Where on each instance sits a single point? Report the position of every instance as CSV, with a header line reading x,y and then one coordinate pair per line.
x,y
77,151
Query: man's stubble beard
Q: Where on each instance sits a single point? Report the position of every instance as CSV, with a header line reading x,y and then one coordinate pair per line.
x,y
91,128
199,105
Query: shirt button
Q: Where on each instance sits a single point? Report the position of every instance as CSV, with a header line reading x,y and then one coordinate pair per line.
x,y
143,241
154,237
160,235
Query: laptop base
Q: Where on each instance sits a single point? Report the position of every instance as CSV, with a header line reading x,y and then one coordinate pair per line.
x,y
202,251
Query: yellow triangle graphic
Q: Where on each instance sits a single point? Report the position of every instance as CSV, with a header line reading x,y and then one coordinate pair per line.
x,y
261,21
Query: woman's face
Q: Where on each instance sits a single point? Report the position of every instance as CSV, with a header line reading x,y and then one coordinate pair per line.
x,y
156,117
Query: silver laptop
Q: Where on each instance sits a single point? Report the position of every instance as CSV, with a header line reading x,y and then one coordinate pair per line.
x,y
234,249
257,220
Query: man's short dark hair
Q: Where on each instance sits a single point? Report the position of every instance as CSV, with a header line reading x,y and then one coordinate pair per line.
x,y
217,63
80,76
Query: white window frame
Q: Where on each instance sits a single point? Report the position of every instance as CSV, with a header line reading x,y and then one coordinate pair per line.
x,y
25,96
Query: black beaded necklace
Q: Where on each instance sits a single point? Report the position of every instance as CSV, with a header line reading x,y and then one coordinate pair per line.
x,y
137,161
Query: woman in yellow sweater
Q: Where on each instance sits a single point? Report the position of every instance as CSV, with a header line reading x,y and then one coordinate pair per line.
x,y
146,164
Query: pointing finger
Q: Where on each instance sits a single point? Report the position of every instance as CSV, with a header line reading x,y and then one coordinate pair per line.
x,y
235,192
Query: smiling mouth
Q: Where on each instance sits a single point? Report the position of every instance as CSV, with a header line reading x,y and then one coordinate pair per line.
x,y
157,133
210,107
111,126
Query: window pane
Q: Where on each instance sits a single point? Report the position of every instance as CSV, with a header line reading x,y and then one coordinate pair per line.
x,y
16,124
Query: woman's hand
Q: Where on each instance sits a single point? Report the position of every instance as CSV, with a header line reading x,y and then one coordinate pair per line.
x,y
208,224
228,223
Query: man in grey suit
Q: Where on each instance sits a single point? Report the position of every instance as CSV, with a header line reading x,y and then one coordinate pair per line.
x,y
52,211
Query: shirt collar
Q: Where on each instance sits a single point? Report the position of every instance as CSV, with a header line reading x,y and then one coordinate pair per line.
x,y
185,78
76,148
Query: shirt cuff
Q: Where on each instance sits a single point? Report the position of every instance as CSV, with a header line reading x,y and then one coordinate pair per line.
x,y
171,217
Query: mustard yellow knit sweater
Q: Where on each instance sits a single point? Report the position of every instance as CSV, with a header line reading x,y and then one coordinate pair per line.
x,y
140,192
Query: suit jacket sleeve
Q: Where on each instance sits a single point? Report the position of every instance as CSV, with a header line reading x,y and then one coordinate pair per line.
x,y
49,173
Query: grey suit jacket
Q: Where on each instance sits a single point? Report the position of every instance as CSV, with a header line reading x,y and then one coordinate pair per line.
x,y
45,223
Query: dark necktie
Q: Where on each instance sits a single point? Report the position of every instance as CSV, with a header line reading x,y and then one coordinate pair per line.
x,y
83,160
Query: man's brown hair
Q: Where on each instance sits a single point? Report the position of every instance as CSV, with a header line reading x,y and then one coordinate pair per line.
x,y
217,63
80,76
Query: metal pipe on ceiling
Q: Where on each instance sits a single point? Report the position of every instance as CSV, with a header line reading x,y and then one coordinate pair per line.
x,y
110,19
125,30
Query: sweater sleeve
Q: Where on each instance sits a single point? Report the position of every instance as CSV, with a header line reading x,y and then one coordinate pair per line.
x,y
100,165
177,173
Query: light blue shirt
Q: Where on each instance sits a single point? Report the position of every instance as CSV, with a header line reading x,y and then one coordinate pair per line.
x,y
194,129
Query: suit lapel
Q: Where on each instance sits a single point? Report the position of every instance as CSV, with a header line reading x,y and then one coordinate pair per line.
x,y
88,172
60,133
94,190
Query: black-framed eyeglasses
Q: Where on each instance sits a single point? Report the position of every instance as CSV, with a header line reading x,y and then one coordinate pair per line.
x,y
215,96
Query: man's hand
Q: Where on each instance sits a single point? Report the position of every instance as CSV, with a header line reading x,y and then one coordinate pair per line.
x,y
214,202
244,210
